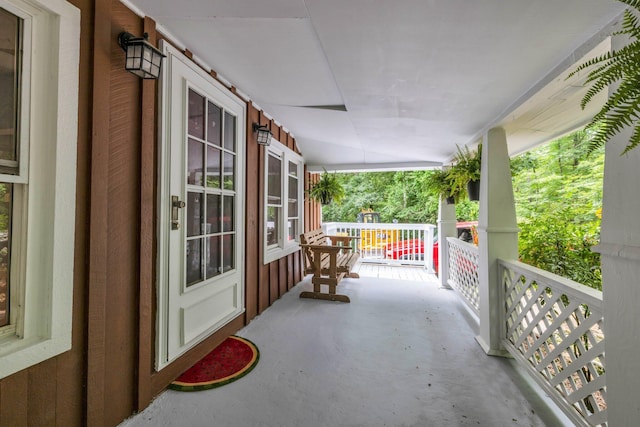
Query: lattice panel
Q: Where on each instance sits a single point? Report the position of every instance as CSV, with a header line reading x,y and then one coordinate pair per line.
x,y
463,271
561,338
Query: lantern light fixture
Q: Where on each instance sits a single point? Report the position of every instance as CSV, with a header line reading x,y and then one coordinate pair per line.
x,y
263,134
142,58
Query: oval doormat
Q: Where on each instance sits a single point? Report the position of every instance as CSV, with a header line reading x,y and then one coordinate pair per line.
x,y
234,358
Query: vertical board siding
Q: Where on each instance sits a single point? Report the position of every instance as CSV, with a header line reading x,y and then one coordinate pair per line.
x,y
263,270
252,253
98,221
148,185
41,408
14,391
123,213
282,280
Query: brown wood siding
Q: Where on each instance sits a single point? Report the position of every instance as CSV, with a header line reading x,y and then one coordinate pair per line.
x,y
123,213
312,209
252,251
148,184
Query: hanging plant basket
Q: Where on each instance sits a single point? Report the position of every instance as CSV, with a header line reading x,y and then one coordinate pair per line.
x,y
473,189
325,199
327,189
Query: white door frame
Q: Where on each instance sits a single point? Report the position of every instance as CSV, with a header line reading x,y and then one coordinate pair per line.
x,y
175,301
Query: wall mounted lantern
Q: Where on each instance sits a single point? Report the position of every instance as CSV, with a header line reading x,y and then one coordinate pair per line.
x,y
264,134
142,58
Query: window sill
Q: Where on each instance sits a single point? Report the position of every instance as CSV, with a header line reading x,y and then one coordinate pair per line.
x,y
277,253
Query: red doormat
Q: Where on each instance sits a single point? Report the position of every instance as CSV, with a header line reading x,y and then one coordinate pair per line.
x,y
234,358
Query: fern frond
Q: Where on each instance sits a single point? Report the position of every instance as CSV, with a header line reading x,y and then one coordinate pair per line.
x,y
633,141
629,24
593,61
632,3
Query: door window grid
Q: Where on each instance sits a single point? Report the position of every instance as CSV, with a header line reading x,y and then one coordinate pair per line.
x,y
211,194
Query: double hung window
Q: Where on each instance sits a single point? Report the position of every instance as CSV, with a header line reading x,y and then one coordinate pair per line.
x,y
283,201
39,53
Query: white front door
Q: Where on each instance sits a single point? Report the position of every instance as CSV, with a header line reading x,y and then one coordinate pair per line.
x,y
201,264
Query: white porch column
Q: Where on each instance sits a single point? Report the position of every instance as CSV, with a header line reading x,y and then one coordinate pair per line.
x,y
620,251
446,228
497,237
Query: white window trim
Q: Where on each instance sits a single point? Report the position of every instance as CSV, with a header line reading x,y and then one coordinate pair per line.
x,y
48,231
284,247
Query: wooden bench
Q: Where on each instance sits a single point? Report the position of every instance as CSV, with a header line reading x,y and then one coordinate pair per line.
x,y
329,262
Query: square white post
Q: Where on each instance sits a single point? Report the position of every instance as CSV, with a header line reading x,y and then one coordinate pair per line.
x,y
446,228
497,237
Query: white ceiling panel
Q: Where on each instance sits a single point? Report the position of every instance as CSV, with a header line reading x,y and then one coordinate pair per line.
x,y
417,77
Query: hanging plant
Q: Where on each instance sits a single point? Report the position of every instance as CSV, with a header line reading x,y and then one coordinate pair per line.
x,y
622,66
327,189
465,171
440,183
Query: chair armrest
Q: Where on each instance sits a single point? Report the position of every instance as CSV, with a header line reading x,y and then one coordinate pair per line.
x,y
325,248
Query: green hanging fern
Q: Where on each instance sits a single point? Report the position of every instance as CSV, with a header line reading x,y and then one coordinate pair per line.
x,y
622,109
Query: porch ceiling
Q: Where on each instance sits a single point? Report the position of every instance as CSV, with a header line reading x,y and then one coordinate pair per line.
x,y
364,83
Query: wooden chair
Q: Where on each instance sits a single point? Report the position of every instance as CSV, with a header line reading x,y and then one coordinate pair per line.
x,y
329,262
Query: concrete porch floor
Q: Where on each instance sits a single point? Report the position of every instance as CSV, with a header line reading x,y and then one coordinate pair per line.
x,y
402,353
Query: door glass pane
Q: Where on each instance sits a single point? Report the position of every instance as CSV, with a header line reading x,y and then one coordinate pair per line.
x,y
273,225
293,197
194,214
213,167
9,90
213,124
196,115
228,260
274,184
229,132
214,213
214,250
194,261
229,171
227,223
5,247
196,162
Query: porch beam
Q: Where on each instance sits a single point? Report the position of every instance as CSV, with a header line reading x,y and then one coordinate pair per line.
x,y
497,237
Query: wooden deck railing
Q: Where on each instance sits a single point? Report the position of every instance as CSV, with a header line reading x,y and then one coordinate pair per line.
x,y
388,242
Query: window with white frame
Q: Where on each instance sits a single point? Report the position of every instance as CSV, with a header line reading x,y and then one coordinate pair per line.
x,y
283,201
39,54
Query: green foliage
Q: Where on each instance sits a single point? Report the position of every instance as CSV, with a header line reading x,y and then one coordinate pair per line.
x,y
404,196
441,183
558,192
618,66
466,166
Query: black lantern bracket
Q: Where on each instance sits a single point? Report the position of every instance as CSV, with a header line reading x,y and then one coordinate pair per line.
x,y
142,58
264,135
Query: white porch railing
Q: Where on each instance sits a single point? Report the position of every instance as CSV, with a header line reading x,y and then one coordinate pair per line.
x,y
463,271
389,243
553,327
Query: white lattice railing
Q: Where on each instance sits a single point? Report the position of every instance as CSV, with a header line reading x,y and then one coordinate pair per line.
x,y
389,243
463,271
554,328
